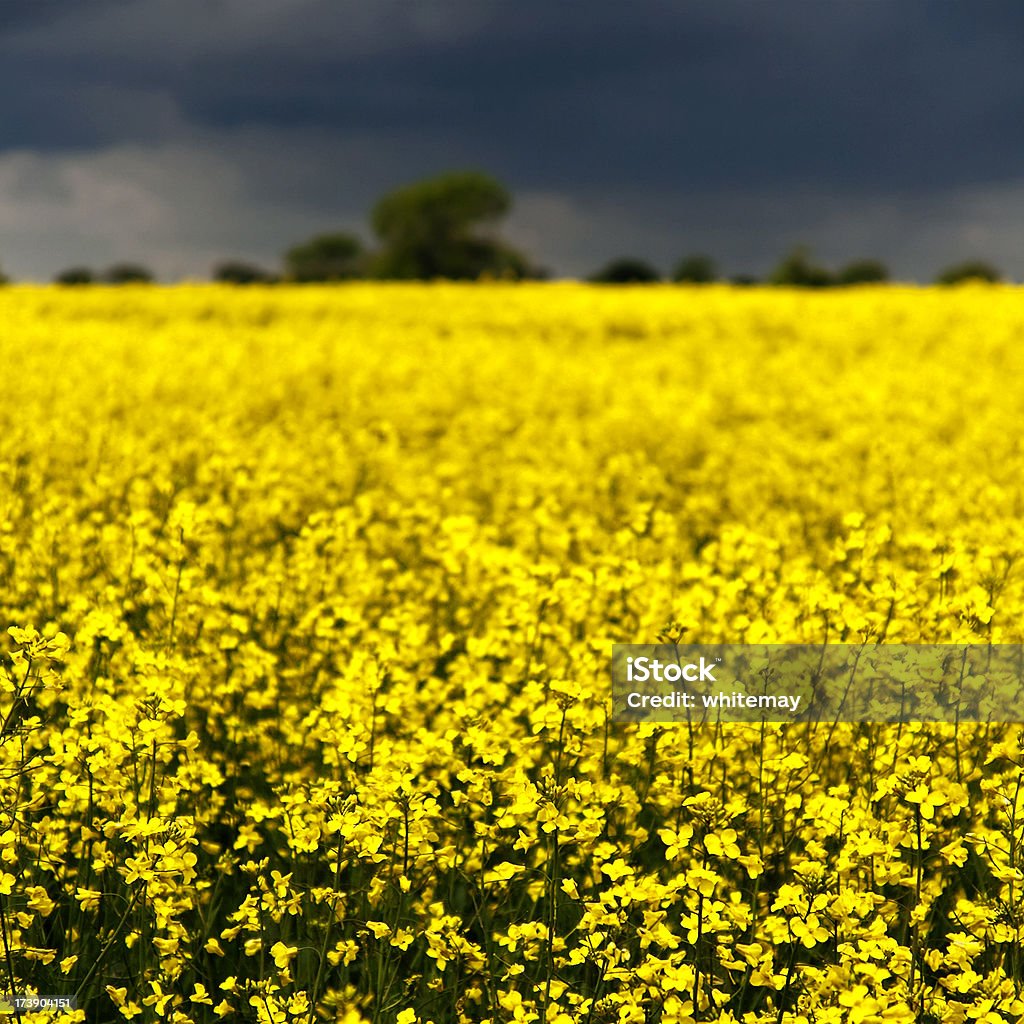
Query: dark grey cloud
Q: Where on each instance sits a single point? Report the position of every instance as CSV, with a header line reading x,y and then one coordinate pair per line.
x,y
714,118
19,14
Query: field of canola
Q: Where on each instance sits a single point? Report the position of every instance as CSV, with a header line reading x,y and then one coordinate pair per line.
x,y
305,703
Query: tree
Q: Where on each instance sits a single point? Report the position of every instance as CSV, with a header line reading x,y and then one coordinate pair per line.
x,y
76,275
443,228
338,256
4,279
797,270
970,270
127,273
240,272
863,272
696,269
626,270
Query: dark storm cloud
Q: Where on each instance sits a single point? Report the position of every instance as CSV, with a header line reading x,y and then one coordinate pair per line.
x,y
664,107
15,14
861,94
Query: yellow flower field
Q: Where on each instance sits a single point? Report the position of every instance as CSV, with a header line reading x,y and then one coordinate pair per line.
x,y
305,703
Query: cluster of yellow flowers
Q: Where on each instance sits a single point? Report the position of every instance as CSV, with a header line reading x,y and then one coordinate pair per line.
x,y
304,714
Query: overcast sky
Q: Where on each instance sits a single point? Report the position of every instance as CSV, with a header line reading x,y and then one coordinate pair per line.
x,y
180,132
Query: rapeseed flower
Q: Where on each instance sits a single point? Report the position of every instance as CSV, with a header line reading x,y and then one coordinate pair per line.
x,y
303,707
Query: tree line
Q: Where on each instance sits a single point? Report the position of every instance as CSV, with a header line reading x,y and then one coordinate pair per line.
x,y
796,269
445,227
